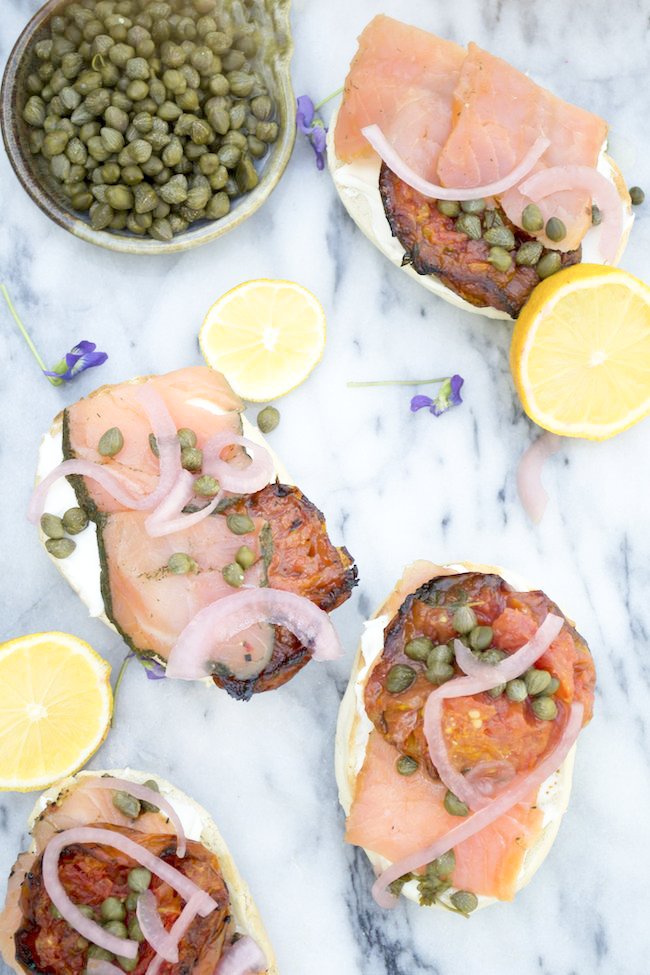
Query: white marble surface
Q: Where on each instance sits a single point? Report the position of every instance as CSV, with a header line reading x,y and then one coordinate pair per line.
x,y
394,487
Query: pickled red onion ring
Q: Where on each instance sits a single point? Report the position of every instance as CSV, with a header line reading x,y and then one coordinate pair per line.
x,y
374,135
147,795
70,912
97,966
153,929
244,957
603,192
532,493
481,677
521,789
164,430
222,620
246,480
177,931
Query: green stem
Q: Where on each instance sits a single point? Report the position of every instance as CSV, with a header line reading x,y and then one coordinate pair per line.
x,y
328,99
25,335
120,675
400,382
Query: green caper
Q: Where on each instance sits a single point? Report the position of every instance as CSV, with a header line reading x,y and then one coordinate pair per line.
x,y
469,224
444,865
60,548
399,678
491,656
245,557
529,253
131,902
464,620
500,237
34,111
496,691
268,419
75,520
148,806
549,264
233,574
637,196
129,806
473,206
440,654
118,928
191,458
266,131
174,190
439,673
553,687
537,681
87,911
135,931
480,637
127,964
52,526
555,229
218,206
544,708
139,879
448,208
516,690
262,108
240,524
55,912
406,765
418,648
110,442
206,486
454,806
596,215
464,901
153,445
500,259
181,564
532,219
100,954
112,909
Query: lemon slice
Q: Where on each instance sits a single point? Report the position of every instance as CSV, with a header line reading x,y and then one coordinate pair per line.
x,y
265,337
580,353
55,708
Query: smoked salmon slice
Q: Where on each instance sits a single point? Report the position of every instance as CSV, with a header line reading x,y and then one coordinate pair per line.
x,y
394,815
402,79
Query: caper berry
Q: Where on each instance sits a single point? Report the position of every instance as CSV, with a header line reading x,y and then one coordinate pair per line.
x,y
110,442
181,564
112,909
464,901
537,681
544,708
454,806
268,419
139,879
464,620
399,678
448,208
245,557
60,548
532,219
555,229
406,765
240,524
233,574
52,526
75,520
637,196
418,648
549,264
480,637
129,806
516,690
206,486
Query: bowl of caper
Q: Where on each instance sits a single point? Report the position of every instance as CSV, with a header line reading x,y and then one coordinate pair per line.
x,y
150,126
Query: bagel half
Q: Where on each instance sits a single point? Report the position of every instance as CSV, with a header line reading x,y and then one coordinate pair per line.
x,y
354,726
197,824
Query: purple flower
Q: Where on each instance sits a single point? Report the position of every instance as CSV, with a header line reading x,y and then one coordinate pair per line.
x,y
83,356
313,127
153,669
448,396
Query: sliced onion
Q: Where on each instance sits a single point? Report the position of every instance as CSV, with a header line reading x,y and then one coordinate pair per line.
x,y
381,145
222,620
147,795
97,966
177,931
153,929
481,677
519,791
117,841
489,778
603,193
246,480
168,516
164,430
532,493
244,957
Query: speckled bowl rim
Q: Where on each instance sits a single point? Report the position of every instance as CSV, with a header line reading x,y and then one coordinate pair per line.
x,y
114,241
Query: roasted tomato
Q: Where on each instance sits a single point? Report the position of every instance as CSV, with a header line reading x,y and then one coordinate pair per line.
x,y
482,728
434,246
303,560
90,873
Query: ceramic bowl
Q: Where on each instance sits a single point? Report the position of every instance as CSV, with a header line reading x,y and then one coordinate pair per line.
x,y
33,172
